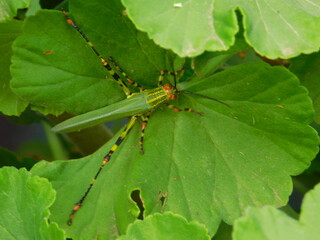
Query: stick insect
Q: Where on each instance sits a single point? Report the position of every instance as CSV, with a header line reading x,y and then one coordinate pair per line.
x,y
137,105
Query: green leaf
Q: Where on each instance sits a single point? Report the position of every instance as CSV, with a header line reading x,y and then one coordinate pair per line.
x,y
11,104
8,158
269,223
54,69
224,232
24,206
9,8
34,7
209,62
189,27
165,226
237,156
306,67
309,217
26,117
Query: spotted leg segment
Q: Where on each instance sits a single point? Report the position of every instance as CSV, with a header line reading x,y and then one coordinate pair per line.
x,y
164,72
145,120
129,80
103,61
106,159
176,109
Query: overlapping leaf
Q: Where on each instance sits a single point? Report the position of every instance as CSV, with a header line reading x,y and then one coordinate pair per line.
x,y
24,206
206,168
269,223
165,226
11,104
9,8
306,67
189,27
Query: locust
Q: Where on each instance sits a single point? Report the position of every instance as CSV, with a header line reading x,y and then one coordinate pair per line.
x,y
137,106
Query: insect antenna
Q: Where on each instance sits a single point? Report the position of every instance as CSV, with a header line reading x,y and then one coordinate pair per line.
x,y
173,73
203,96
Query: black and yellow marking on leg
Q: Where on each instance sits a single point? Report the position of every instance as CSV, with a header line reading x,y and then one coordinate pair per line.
x,y
106,159
161,76
103,61
129,80
145,120
164,72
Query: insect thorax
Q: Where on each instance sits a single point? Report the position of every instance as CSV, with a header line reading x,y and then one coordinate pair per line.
x,y
156,96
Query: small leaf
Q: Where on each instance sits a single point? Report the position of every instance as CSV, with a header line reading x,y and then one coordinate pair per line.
x,y
310,217
8,158
34,7
209,62
306,67
24,206
269,223
9,8
189,27
11,104
165,226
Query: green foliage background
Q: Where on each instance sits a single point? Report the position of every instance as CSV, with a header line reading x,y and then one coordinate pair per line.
x,y
206,169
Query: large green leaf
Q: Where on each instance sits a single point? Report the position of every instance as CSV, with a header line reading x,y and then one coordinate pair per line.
x,y
24,206
206,168
306,67
165,226
188,27
9,8
268,223
56,70
11,104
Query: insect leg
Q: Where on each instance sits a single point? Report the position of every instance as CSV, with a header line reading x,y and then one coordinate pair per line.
x,y
103,61
163,72
106,159
129,80
145,119
176,109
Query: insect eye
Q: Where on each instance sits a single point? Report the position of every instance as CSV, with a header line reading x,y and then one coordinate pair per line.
x,y
167,86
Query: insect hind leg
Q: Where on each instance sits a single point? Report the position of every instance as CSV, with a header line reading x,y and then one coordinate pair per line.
x,y
106,159
145,120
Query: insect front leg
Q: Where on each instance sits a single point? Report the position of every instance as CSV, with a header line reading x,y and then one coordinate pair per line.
x,y
129,80
176,109
104,62
163,72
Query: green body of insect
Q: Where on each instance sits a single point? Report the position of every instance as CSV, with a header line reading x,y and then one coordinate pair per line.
x,y
135,104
